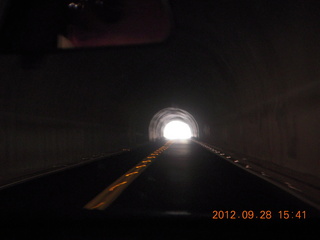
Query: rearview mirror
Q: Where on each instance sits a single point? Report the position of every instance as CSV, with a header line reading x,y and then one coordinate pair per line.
x,y
115,22
41,26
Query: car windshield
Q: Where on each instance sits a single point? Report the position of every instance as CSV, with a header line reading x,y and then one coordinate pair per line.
x,y
130,118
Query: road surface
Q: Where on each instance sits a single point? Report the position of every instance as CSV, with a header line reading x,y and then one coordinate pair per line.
x,y
174,180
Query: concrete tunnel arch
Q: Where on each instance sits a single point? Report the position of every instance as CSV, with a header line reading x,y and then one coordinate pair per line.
x,y
166,115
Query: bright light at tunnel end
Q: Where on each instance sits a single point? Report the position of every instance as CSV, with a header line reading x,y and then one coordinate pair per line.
x,y
177,130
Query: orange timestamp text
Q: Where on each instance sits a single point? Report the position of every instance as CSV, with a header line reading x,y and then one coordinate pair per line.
x,y
261,215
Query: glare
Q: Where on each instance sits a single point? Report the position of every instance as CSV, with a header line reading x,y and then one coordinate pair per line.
x,y
177,130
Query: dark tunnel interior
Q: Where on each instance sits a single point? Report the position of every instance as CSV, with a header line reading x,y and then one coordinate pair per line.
x,y
245,74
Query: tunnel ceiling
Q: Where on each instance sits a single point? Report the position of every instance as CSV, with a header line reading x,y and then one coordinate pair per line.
x,y
216,50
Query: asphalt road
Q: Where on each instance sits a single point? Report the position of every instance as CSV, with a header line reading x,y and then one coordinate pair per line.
x,y
183,181
187,180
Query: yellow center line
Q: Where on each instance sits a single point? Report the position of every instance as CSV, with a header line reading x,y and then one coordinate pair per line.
x,y
129,174
100,204
147,161
141,166
111,193
112,188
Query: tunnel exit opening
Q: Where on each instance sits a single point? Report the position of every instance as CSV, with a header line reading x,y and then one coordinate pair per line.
x,y
177,130
173,123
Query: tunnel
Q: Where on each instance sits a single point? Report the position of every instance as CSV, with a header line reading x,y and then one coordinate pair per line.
x,y
244,75
167,115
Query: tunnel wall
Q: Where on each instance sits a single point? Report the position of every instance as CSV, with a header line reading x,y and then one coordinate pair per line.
x,y
51,116
270,59
32,144
284,132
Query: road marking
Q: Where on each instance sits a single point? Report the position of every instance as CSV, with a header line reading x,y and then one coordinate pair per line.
x,y
119,184
112,192
147,161
141,166
129,174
